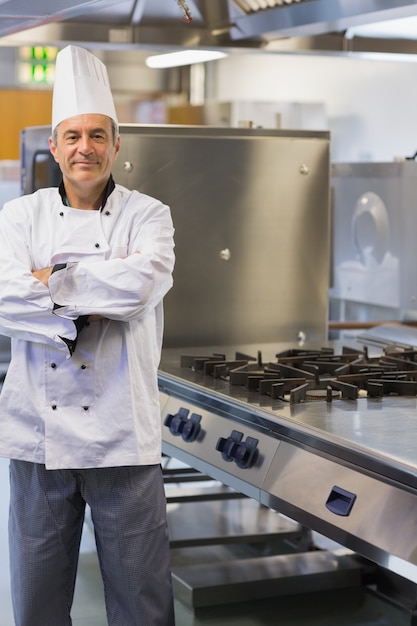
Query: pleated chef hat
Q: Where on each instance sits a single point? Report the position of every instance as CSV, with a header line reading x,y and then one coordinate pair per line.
x,y
81,86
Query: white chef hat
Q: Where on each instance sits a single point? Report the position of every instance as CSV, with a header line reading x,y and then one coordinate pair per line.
x,y
81,86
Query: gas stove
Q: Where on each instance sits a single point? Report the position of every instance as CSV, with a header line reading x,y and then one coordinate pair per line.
x,y
326,435
299,375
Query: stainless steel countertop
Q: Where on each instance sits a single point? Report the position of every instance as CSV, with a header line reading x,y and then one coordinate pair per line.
x,y
378,435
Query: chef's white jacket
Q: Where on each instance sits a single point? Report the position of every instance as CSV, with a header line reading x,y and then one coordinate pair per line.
x,y
99,406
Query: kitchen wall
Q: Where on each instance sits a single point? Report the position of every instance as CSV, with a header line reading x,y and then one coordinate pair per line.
x,y
370,104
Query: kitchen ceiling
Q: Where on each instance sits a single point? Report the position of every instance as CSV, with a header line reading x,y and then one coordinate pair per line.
x,y
287,25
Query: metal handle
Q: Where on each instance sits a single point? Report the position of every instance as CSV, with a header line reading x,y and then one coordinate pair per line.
x,y
340,501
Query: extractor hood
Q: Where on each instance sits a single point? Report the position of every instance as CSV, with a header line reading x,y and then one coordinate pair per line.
x,y
228,24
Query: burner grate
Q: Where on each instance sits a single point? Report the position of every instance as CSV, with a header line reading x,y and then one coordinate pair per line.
x,y
300,375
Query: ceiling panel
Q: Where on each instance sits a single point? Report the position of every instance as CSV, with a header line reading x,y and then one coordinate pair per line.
x,y
232,24
18,15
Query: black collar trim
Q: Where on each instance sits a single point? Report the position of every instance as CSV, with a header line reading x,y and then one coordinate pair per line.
x,y
109,189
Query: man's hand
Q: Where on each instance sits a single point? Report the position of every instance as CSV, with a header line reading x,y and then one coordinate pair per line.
x,y
43,275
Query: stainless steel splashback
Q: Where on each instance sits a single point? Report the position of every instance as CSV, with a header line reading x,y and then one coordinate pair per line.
x,y
251,213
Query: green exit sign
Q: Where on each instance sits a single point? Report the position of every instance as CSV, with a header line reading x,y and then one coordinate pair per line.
x,y
36,65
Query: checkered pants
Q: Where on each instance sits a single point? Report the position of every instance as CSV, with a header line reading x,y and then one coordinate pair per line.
x,y
128,510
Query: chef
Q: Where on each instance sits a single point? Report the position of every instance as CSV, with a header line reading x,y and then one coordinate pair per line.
x,y
84,269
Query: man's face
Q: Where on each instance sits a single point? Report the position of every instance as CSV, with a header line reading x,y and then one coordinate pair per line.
x,y
85,149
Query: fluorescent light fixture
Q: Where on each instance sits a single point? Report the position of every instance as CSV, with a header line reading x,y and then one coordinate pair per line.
x,y
183,57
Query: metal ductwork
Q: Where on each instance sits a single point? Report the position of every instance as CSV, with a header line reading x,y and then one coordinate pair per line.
x,y
287,25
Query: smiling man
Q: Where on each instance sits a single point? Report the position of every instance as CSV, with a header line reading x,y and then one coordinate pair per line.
x,y
85,148
84,270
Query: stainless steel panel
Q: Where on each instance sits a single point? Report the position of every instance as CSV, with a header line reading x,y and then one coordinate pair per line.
x,y
243,580
315,17
38,167
228,522
203,455
381,523
251,212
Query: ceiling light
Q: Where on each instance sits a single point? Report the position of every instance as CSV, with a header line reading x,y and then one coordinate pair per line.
x,y
183,57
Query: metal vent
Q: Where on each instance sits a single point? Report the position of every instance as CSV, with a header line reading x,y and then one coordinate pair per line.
x,y
17,15
253,6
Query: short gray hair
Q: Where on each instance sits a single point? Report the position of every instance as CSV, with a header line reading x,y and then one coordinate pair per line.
x,y
114,130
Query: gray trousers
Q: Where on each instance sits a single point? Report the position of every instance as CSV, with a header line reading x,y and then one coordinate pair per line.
x,y
128,511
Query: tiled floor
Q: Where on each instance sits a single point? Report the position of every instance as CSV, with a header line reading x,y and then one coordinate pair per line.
x,y
338,608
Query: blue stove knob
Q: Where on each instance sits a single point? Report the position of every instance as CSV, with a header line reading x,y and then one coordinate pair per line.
x,y
182,425
243,453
